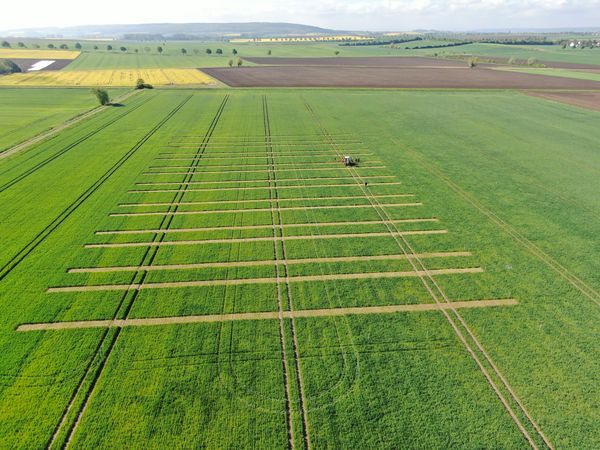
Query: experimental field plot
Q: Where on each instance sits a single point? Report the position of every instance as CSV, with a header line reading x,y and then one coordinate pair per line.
x,y
213,273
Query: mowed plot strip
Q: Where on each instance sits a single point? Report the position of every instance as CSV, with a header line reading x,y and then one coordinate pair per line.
x,y
262,227
296,314
220,202
189,183
262,239
229,211
252,188
269,262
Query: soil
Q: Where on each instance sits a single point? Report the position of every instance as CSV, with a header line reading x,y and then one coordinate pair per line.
x,y
391,77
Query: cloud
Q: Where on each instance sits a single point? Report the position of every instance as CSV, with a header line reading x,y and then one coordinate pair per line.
x,y
348,14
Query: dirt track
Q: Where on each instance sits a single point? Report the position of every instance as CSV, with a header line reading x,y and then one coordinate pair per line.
x,y
391,77
263,315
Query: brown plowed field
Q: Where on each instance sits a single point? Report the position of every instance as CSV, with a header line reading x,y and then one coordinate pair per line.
x,y
589,100
24,64
371,61
391,77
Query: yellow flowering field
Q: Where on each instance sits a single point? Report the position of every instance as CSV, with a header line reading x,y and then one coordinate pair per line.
x,y
117,77
8,53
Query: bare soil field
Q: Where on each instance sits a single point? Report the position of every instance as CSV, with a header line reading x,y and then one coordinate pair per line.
x,y
371,61
25,63
391,77
589,100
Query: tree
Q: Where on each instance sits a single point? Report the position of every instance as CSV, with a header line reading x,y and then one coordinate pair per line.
x,y
7,66
95,47
123,49
269,53
234,51
78,46
135,50
102,96
50,46
159,49
183,51
109,47
208,51
64,47
5,44
21,44
219,51
140,84
337,52
239,62
230,63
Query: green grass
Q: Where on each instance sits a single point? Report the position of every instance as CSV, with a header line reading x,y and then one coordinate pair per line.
x,y
524,52
580,75
368,381
27,112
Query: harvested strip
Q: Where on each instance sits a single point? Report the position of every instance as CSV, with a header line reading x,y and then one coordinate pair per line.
x,y
259,156
268,262
180,320
262,227
224,211
295,199
183,183
252,188
255,145
261,239
228,166
270,280
259,170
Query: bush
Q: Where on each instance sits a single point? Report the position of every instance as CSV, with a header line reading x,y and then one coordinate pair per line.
x,y
140,84
102,96
7,66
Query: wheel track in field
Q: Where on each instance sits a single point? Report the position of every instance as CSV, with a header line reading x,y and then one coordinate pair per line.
x,y
107,339
435,290
13,262
278,234
48,134
576,282
64,150
147,259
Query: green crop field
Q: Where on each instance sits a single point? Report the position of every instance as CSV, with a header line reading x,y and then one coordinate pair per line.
x,y
27,112
197,268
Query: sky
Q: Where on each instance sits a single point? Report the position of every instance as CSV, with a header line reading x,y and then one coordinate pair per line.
x,y
372,15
